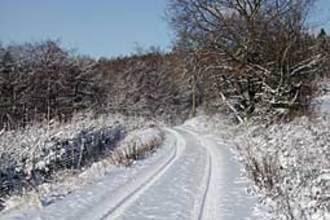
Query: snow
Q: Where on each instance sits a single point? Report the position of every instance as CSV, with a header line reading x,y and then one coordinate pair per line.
x,y
43,141
228,187
197,174
193,176
117,183
296,185
299,161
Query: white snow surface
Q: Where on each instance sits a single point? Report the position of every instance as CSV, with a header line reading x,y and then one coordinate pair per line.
x,y
193,176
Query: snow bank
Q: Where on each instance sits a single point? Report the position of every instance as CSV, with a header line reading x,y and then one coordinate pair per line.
x,y
38,157
290,167
137,145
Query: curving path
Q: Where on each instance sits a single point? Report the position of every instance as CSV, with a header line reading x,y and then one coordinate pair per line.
x,y
193,177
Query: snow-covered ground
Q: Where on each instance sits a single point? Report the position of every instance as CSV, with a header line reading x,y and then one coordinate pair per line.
x,y
193,176
287,164
43,163
290,167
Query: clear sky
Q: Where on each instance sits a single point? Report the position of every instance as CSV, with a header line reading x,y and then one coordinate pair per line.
x,y
94,27
97,27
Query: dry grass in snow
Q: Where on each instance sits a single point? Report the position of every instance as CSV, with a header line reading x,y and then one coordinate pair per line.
x,y
289,165
34,161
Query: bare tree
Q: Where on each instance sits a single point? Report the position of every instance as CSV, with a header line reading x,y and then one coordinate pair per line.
x,y
42,81
267,53
238,27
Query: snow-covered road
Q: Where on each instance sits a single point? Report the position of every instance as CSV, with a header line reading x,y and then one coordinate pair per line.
x,y
194,176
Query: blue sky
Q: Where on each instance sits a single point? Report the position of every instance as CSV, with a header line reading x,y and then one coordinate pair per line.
x,y
99,27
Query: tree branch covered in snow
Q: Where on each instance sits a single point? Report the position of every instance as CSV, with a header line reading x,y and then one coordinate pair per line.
x,y
255,57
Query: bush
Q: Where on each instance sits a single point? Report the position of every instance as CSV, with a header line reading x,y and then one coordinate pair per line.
x,y
31,156
137,145
290,166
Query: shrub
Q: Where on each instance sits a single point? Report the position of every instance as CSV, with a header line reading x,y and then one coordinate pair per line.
x,y
290,167
32,155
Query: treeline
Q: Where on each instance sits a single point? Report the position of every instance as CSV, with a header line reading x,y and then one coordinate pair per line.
x,y
43,81
150,84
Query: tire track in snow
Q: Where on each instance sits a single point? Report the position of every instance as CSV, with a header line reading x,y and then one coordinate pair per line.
x,y
206,191
192,180
116,211
226,196
209,204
